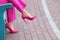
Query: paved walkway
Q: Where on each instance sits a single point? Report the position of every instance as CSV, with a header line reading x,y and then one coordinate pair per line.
x,y
45,27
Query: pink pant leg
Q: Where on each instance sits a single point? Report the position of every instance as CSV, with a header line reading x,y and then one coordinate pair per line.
x,y
19,4
3,2
11,15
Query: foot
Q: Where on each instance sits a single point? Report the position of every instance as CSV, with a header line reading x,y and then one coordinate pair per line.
x,y
11,28
24,16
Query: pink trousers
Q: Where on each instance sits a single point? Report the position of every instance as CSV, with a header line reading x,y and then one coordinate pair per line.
x,y
19,4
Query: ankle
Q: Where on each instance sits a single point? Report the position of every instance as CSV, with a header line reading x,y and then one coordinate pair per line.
x,y
11,25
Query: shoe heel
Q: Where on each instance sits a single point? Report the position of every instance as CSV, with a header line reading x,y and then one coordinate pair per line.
x,y
24,20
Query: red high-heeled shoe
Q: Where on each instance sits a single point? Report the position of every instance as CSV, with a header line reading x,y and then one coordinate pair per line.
x,y
27,17
12,31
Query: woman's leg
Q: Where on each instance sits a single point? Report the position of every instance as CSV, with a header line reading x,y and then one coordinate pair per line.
x,y
11,16
20,5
